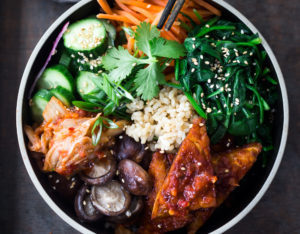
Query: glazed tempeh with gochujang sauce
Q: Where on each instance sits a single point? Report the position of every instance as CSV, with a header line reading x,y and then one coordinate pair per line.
x,y
189,184
230,167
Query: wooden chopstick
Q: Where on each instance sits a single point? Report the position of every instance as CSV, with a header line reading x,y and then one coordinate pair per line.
x,y
174,14
165,13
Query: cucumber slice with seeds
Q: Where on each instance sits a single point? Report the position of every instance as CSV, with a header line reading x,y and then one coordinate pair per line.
x,y
87,36
55,76
38,104
86,87
65,96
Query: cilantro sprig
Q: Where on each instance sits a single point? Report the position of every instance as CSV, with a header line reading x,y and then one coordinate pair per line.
x,y
149,70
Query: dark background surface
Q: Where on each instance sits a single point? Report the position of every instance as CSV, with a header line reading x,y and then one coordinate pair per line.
x,y
22,210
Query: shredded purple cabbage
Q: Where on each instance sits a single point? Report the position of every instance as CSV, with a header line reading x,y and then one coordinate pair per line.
x,y
52,52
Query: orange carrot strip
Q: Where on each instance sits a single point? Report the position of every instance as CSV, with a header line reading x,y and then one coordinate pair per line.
x,y
129,16
159,3
208,7
114,17
142,4
130,44
157,18
104,5
125,8
174,38
142,11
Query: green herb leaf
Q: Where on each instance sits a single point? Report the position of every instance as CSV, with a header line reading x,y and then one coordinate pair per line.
x,y
97,136
147,81
165,48
120,63
143,35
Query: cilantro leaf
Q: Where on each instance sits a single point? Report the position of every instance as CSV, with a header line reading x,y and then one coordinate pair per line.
x,y
145,33
120,63
147,81
165,48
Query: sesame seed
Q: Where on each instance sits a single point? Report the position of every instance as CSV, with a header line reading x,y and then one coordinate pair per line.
x,y
208,81
242,31
226,171
192,70
245,52
254,64
228,144
194,38
50,176
206,62
121,137
134,64
84,203
167,64
117,172
246,62
202,94
201,124
112,152
159,225
54,188
57,181
122,180
207,36
212,86
201,56
183,168
199,163
194,46
207,25
208,110
128,213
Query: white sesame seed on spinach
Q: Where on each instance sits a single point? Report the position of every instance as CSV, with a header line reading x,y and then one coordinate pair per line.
x,y
231,78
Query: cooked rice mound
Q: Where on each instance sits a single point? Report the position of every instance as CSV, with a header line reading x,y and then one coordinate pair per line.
x,y
166,119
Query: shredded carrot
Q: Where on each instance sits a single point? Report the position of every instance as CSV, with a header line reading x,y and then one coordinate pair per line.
x,y
142,11
150,7
130,13
104,5
128,16
126,9
155,21
130,44
208,7
114,17
159,3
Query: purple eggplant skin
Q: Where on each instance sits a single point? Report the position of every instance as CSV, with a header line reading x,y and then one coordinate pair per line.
x,y
104,198
134,178
131,214
106,166
127,148
84,208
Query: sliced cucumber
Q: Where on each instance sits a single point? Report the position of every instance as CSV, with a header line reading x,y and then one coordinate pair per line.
x,y
86,87
38,104
55,76
65,96
87,36
92,65
111,30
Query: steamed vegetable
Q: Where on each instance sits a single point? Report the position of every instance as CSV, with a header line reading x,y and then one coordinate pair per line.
x,y
226,80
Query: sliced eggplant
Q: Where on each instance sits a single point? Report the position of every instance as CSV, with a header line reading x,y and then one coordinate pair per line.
x,y
84,208
135,208
127,148
134,178
101,171
110,199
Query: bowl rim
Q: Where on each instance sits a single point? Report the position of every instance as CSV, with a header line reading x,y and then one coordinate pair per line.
x,y
78,226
